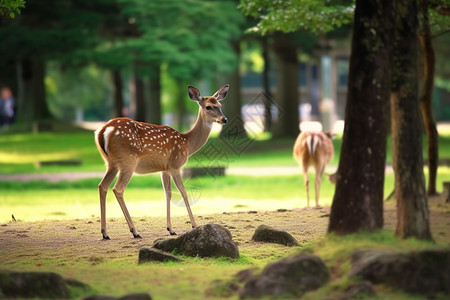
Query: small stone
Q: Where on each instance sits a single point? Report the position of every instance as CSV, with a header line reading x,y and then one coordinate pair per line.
x,y
270,235
152,254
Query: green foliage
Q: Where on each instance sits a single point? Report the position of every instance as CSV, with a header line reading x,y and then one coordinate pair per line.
x,y
288,16
9,8
83,89
192,36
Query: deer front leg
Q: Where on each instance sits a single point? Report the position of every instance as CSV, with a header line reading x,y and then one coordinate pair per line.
x,y
165,179
119,187
103,190
180,186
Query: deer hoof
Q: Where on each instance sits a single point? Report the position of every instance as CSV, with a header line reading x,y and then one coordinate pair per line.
x,y
171,231
135,235
106,237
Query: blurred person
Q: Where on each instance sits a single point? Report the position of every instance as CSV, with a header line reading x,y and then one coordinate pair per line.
x,y
7,107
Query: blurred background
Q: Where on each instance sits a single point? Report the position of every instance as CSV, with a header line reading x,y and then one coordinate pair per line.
x,y
78,61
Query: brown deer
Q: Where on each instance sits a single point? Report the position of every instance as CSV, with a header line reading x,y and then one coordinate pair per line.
x,y
129,147
313,148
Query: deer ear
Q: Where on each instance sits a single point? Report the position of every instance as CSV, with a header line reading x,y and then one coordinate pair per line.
x,y
194,93
222,92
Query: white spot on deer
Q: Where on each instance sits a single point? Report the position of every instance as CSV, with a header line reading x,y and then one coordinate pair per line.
x,y
106,135
117,132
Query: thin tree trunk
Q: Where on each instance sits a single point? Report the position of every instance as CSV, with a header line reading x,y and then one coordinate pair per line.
x,y
358,199
426,98
140,99
41,110
412,205
266,86
154,111
117,93
287,88
181,105
232,107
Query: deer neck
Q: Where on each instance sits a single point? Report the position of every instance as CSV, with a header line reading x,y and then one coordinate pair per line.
x,y
198,135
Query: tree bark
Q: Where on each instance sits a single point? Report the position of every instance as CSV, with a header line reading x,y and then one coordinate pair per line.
x,y
117,93
412,205
287,88
266,86
427,96
154,111
358,199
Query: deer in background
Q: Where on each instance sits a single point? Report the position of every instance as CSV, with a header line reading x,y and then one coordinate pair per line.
x,y
129,147
316,149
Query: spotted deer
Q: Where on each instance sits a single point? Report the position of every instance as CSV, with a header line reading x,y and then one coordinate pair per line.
x,y
129,147
316,149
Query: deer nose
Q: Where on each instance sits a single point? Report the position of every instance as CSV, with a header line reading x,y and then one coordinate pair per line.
x,y
224,120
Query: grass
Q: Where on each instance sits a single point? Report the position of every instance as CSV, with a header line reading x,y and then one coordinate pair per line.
x,y
21,153
145,197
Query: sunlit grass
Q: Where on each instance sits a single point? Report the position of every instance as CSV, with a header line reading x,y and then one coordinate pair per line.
x,y
145,197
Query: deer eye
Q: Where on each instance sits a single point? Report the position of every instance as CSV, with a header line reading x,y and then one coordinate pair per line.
x,y
208,107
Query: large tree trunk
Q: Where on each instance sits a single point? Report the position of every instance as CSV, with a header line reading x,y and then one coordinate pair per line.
x,y
358,199
287,87
154,111
234,132
426,98
412,205
117,93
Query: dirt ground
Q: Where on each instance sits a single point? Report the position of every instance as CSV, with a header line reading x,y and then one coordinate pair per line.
x,y
77,240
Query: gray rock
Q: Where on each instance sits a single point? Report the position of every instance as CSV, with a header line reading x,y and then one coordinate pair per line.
x,y
99,297
359,290
293,275
425,272
137,296
209,240
152,254
33,285
271,235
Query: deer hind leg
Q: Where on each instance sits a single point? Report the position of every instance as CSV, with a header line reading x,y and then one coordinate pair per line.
x,y
319,172
165,179
180,186
306,180
103,190
118,189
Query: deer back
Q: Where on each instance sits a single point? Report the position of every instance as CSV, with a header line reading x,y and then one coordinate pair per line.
x,y
313,148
